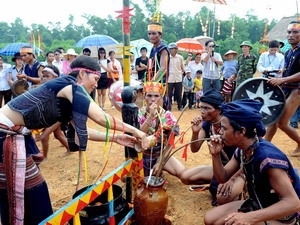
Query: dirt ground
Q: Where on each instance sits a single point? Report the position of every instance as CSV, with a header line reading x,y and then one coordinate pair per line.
x,y
185,207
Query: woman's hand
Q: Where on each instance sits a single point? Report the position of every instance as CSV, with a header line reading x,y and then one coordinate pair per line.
x,y
125,140
145,142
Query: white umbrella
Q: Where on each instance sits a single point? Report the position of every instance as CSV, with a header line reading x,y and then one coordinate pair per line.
x,y
138,44
202,39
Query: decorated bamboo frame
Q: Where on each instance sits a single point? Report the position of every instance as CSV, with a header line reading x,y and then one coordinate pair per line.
x,y
72,209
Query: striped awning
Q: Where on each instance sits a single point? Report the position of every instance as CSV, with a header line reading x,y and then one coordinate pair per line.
x,y
220,2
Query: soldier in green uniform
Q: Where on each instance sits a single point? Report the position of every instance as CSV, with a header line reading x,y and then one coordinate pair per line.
x,y
246,63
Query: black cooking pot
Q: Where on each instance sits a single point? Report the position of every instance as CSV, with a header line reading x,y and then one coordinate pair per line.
x,y
97,212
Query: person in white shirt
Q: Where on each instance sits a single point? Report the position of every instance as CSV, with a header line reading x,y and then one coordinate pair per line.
x,y
176,70
211,60
195,65
14,70
271,60
5,91
49,58
116,71
57,60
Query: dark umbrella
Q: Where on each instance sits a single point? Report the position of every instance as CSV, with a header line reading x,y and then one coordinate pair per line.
x,y
96,40
11,49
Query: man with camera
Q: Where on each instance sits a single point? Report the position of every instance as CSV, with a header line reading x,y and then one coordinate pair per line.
x,y
211,60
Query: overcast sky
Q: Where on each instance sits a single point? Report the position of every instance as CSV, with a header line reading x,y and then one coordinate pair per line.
x,y
59,10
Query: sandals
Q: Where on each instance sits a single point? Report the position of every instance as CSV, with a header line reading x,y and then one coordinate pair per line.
x,y
199,188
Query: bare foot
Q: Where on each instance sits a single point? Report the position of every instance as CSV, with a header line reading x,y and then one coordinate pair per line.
x,y
67,153
296,152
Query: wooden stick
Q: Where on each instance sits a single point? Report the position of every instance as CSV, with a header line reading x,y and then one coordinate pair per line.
x,y
167,150
176,150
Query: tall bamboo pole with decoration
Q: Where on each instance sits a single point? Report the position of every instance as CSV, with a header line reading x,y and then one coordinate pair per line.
x,y
134,177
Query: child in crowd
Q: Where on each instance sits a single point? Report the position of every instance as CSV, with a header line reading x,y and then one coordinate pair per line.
x,y
188,85
51,72
198,87
229,71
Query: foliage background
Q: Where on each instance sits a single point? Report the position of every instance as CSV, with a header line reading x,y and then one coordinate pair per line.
x,y
177,26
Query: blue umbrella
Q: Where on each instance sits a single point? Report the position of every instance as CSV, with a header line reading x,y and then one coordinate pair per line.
x,y
286,46
96,40
11,49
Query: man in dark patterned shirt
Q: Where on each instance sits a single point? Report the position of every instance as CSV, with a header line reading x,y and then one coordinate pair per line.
x,y
290,83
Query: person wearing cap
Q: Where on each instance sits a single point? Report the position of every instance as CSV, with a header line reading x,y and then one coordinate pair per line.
x,y
16,69
273,186
211,60
228,70
33,68
247,63
174,81
271,62
69,56
159,55
188,90
154,119
204,125
24,194
289,82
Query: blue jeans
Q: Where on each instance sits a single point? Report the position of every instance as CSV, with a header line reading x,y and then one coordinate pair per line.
x,y
296,117
209,83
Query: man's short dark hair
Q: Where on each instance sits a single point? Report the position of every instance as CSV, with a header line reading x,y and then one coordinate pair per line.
x,y
86,50
274,44
143,48
209,41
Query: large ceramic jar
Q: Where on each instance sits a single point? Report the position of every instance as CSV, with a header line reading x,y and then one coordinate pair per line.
x,y
150,202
